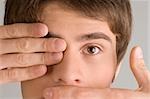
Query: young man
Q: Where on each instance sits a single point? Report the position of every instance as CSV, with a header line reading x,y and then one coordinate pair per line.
x,y
97,33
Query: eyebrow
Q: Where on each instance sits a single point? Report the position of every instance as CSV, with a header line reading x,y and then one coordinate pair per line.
x,y
92,36
86,37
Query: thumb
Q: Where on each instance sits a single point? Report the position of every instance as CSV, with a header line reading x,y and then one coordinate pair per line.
x,y
139,69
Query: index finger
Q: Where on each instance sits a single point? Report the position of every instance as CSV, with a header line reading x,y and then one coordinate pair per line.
x,y
23,30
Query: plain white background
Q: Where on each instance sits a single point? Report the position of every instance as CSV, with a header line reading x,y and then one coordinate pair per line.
x,y
141,36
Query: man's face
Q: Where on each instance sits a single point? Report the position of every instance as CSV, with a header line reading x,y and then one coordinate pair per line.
x,y
90,57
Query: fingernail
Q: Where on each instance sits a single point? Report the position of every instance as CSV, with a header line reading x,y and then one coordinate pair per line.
x,y
44,30
139,53
41,29
60,45
48,94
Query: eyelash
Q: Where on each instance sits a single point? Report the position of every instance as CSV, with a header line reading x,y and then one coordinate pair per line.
x,y
86,50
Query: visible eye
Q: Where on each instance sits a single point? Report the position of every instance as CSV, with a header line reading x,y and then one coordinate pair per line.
x,y
92,50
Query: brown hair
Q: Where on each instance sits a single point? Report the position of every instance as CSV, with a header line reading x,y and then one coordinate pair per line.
x,y
117,13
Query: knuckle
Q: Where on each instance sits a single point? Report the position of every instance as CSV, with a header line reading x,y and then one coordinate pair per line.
x,y
23,45
1,47
44,58
11,31
48,58
21,59
10,75
58,93
46,45
2,63
27,73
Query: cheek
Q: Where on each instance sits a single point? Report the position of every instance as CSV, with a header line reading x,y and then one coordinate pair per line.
x,y
101,72
101,76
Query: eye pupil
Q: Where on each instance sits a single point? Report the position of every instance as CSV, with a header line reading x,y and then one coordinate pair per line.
x,y
92,50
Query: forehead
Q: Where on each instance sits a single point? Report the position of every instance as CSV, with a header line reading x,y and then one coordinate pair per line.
x,y
61,21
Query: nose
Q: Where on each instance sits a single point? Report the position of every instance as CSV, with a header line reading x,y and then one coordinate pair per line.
x,y
69,71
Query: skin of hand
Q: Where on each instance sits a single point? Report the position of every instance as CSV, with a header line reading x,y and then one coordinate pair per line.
x,y
139,70
19,44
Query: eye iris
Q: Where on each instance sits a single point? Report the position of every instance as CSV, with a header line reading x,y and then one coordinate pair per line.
x,y
92,50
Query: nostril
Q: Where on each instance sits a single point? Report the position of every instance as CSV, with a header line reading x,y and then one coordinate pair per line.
x,y
60,80
77,80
